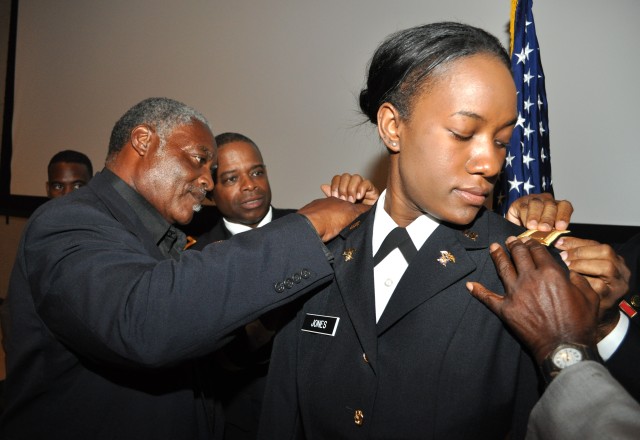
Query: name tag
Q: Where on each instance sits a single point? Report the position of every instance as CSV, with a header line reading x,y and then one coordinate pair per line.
x,y
323,325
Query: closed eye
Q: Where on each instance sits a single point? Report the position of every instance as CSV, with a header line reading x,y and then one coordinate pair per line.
x,y
460,137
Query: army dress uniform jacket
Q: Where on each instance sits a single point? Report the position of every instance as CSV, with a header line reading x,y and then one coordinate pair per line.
x,y
103,332
437,365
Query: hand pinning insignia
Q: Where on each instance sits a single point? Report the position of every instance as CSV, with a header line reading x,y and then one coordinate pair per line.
x,y
348,254
473,236
445,257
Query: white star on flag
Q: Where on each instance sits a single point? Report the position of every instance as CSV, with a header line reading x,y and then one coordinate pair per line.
x,y
515,184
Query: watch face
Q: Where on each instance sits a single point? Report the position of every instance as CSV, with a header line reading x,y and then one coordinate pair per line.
x,y
567,356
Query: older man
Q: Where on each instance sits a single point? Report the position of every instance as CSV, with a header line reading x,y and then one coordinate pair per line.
x,y
107,318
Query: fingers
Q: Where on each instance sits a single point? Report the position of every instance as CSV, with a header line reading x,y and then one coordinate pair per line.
x,y
585,287
566,243
540,211
521,254
352,188
326,189
340,187
592,258
563,216
486,296
369,192
605,270
540,255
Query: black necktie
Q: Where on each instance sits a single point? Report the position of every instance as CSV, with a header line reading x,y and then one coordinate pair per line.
x,y
398,238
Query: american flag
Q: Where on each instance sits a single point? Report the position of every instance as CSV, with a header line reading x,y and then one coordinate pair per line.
x,y
527,168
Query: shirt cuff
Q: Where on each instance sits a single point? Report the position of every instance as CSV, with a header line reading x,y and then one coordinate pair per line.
x,y
612,341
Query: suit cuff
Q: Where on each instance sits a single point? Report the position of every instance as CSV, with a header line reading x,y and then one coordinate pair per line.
x,y
327,252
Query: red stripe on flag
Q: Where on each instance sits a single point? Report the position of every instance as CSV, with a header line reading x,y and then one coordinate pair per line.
x,y
626,308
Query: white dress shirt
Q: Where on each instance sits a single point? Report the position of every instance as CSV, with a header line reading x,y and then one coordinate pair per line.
x,y
388,272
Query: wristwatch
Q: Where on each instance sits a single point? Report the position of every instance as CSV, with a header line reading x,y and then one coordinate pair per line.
x,y
565,355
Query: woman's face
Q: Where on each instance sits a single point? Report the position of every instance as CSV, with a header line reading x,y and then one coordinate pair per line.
x,y
451,147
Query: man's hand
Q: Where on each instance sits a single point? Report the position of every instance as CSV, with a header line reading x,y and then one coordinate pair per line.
x,y
540,211
542,304
331,215
352,188
605,271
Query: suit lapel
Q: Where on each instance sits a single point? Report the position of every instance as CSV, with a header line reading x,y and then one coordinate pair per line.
x,y
431,272
353,270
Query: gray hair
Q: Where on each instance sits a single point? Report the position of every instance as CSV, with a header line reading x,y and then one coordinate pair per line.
x,y
162,114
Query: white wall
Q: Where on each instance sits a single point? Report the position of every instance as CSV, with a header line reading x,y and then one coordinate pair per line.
x,y
287,74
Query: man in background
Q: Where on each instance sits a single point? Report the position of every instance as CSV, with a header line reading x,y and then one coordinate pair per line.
x,y
242,195
68,170
242,192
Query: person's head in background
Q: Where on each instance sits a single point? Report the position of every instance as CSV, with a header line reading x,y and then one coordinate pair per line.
x,y
444,101
242,192
68,170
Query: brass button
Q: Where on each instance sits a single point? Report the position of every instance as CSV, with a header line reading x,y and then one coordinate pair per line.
x,y
365,358
635,301
358,417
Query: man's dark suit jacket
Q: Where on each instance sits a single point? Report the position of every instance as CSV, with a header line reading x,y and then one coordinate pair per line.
x,y
101,330
220,232
240,386
437,365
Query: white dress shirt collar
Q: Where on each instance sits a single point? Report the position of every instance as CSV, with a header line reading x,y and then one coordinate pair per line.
x,y
236,228
419,230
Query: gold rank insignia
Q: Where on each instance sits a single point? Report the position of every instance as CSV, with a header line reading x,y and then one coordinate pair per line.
x,y
473,236
348,254
354,225
445,257
543,237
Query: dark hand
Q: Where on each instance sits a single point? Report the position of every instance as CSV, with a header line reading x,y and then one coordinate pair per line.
x,y
542,304
605,271
540,211
352,188
331,215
